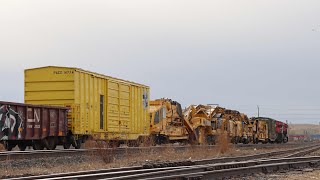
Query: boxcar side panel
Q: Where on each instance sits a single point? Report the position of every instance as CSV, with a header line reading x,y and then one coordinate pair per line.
x,y
124,104
113,107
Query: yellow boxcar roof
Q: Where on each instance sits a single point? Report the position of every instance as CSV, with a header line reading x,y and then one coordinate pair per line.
x,y
91,73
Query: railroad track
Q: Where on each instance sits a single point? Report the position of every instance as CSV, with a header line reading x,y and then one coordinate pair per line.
x,y
228,170
13,155
204,169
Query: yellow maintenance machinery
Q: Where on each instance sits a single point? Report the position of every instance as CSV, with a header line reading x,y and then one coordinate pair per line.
x,y
212,121
168,123
260,131
227,122
238,125
200,119
220,124
247,130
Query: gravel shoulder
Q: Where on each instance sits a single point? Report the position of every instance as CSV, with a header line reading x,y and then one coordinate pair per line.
x,y
302,174
50,165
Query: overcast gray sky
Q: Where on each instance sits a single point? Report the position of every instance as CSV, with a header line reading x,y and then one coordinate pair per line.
x,y
236,53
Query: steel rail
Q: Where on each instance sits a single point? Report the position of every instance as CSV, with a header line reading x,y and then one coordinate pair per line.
x,y
185,172
304,152
240,171
259,156
131,171
153,147
119,151
13,155
222,170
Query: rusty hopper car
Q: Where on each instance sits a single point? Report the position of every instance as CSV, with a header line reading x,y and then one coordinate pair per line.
x,y
101,107
32,125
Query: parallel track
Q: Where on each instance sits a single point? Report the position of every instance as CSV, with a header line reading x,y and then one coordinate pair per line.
x,y
13,155
238,169
205,169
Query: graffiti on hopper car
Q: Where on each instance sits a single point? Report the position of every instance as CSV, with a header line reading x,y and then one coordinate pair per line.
x,y
10,123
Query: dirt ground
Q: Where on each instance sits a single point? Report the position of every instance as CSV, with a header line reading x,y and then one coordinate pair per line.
x,y
297,175
28,167
305,174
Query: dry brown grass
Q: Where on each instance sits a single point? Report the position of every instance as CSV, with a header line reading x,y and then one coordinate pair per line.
x,y
105,149
106,160
168,153
2,148
223,144
107,153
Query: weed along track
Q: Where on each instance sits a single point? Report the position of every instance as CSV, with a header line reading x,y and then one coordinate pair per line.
x,y
205,169
120,152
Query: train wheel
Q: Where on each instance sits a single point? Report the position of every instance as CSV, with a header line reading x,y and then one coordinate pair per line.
x,y
9,146
235,140
67,145
183,142
38,146
51,143
113,144
132,144
67,142
22,146
78,144
210,140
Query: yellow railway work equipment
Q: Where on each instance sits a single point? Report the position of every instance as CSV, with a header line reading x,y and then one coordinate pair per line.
x,y
168,123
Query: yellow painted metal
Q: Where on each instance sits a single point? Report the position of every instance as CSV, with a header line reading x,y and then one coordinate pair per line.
x,y
101,106
199,118
167,120
262,133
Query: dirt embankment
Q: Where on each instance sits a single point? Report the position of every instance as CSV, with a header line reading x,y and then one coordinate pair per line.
x,y
51,165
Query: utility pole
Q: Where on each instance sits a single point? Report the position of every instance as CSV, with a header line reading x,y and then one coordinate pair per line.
x,y
258,110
